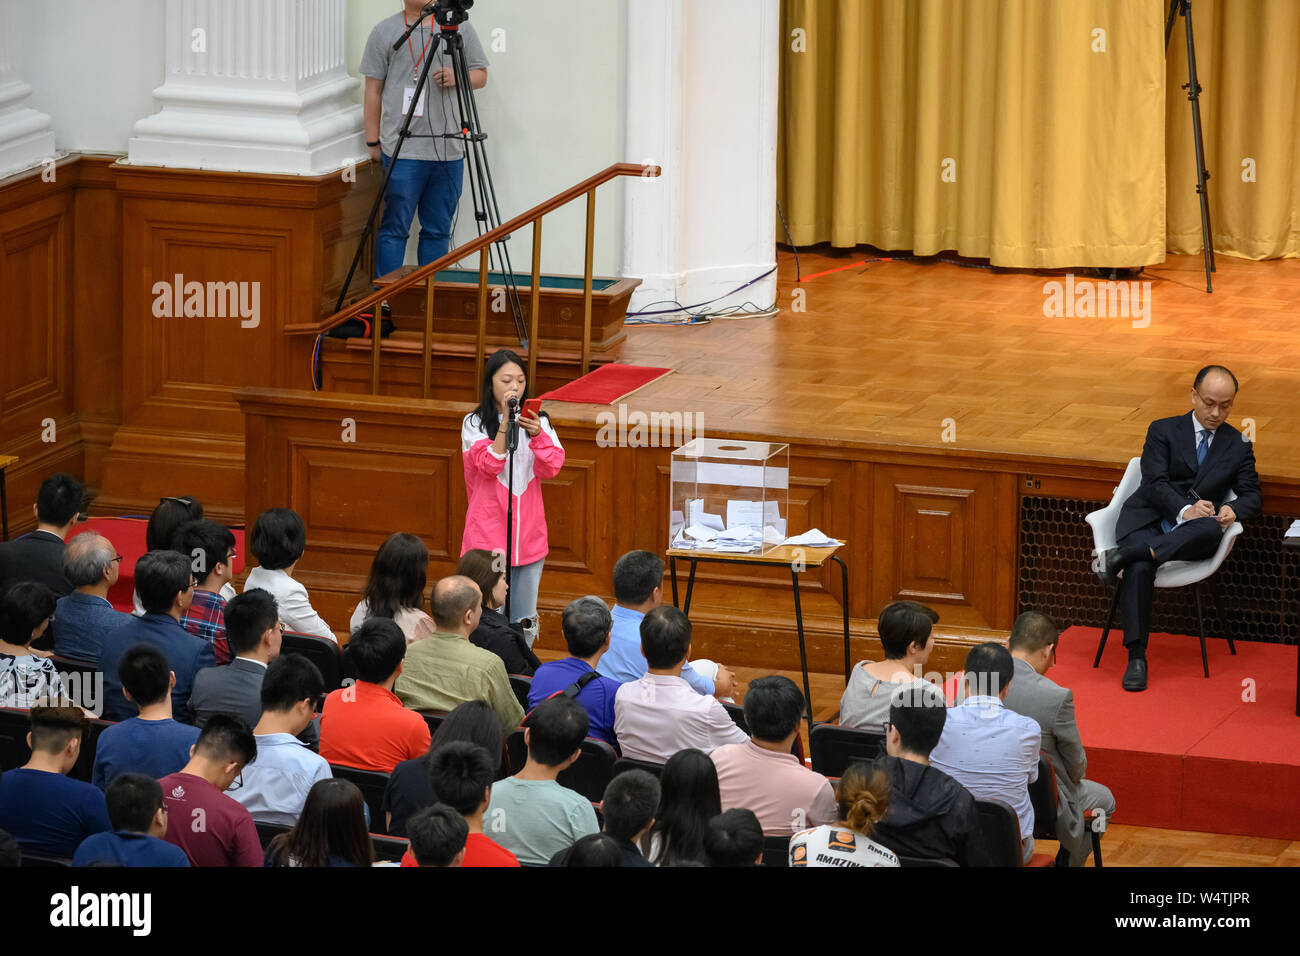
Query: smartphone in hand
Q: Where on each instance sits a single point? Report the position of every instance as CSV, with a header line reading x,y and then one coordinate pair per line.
x,y
532,406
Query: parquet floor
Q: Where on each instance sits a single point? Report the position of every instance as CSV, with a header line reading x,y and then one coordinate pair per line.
x,y
889,351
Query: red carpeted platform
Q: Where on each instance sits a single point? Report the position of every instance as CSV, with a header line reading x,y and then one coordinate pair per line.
x,y
1219,755
606,384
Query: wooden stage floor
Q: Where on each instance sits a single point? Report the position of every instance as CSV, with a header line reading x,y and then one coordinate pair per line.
x,y
887,351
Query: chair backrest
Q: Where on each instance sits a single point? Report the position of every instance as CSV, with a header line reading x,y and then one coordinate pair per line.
x,y
516,750
923,861
84,768
1042,794
776,851
737,715
834,747
1103,520
324,654
433,718
1001,831
521,685
68,665
14,725
266,832
372,784
44,860
389,848
591,773
624,764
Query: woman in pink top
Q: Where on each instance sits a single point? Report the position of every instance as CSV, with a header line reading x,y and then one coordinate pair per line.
x,y
539,455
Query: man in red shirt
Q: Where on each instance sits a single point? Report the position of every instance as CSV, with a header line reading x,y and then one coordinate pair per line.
x,y
364,725
461,775
209,826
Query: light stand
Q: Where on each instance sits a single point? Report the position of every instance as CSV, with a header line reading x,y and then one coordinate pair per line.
x,y
1193,88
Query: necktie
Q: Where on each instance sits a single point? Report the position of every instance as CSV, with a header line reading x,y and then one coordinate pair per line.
x,y
1203,446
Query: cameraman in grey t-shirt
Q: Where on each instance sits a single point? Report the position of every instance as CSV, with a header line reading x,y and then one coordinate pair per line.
x,y
429,170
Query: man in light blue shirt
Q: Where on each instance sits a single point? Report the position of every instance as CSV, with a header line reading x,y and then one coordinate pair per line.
x,y
638,589
990,750
274,787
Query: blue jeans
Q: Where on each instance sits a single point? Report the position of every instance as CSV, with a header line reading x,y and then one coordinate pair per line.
x,y
429,185
525,580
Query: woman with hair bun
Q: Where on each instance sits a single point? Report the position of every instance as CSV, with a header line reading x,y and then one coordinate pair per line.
x,y
863,797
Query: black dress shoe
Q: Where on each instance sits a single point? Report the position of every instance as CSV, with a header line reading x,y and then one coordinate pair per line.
x,y
1106,566
1135,675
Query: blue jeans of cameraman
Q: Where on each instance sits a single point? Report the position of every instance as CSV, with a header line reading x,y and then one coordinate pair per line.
x,y
433,188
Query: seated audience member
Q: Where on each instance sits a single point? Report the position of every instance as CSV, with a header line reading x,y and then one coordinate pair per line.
x,y
1033,642
331,830
762,774
540,817
445,669
84,618
165,583
688,801
628,806
863,798
904,628
596,849
44,810
659,714
135,808
276,786
211,549
364,725
26,676
409,787
39,556
438,836
734,838
395,587
152,742
494,632
930,815
228,836
278,541
461,774
167,518
586,624
990,750
638,590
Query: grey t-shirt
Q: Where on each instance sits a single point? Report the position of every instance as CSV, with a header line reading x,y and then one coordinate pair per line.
x,y
866,700
536,819
398,69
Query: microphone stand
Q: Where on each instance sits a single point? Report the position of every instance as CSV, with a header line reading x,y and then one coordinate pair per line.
x,y
512,443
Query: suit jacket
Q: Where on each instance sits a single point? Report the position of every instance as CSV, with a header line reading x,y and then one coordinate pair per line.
x,y
1052,707
236,688
34,557
1170,472
185,653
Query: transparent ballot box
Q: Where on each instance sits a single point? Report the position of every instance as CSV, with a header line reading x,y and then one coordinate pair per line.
x,y
729,496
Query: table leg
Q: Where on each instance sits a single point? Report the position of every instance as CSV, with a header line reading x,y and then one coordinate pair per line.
x,y
844,593
672,571
690,586
803,651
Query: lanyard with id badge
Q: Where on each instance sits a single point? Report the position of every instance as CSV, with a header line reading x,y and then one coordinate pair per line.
x,y
409,91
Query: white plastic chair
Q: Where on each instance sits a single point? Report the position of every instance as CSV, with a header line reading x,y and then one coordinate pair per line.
x,y
1171,574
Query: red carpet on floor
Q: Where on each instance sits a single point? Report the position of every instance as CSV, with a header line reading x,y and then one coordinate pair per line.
x,y
606,384
1219,755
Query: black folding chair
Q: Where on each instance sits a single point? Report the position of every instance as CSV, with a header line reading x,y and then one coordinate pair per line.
x,y
591,773
1001,830
624,764
521,685
372,784
834,747
776,851
266,832
389,848
324,654
923,861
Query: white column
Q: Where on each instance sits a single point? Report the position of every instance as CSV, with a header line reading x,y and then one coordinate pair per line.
x,y
254,85
26,136
701,102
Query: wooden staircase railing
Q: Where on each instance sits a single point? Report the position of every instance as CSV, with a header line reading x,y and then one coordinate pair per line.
x,y
426,274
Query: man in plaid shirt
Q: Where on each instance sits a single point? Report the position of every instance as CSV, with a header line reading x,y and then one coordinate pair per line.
x,y
211,549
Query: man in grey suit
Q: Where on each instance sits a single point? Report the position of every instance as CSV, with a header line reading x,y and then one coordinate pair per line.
x,y
253,632
1033,650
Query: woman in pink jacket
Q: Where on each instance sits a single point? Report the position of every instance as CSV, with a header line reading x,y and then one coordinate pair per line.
x,y
539,455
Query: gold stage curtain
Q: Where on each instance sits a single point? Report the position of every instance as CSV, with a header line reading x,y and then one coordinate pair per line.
x,y
1055,144
1246,61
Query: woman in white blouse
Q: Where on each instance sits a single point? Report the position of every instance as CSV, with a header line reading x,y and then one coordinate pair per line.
x,y
278,541
396,587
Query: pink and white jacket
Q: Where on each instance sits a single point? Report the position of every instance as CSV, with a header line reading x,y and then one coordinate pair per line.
x,y
486,487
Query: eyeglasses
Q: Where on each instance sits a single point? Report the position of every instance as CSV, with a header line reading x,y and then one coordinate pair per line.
x,y
236,783
117,557
1221,406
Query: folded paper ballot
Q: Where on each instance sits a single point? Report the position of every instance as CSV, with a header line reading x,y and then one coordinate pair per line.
x,y
813,539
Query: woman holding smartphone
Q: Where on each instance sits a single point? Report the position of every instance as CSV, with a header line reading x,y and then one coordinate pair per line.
x,y
538,455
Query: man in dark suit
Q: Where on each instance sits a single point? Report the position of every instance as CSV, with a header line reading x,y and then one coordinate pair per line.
x,y
1189,464
39,556
165,584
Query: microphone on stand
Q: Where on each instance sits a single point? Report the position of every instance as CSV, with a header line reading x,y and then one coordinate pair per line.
x,y
512,424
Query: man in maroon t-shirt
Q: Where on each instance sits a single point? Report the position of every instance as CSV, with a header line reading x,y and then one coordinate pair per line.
x,y
209,826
